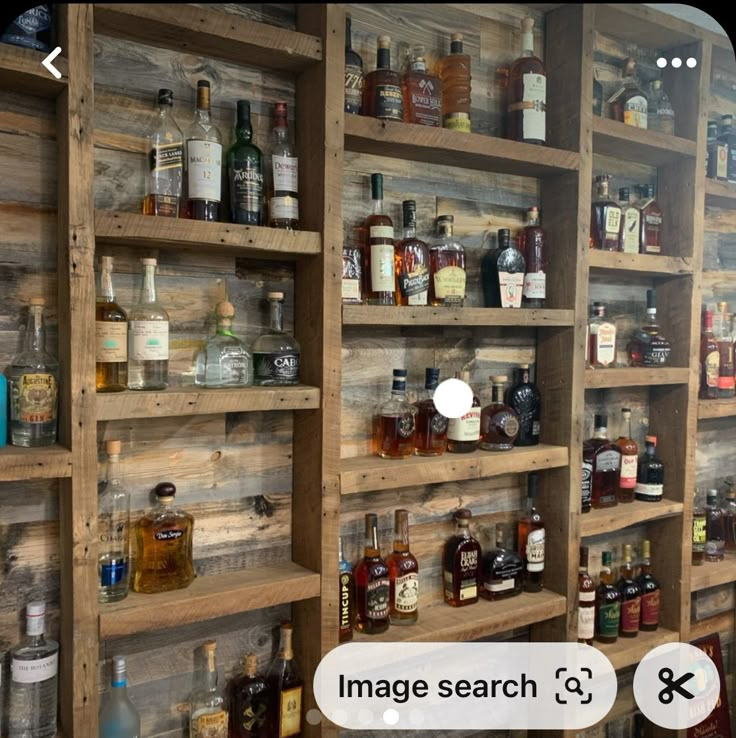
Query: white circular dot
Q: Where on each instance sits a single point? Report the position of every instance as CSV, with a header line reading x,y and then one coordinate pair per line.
x,y
416,717
365,717
661,62
391,716
339,716
453,398
314,717
677,62
692,62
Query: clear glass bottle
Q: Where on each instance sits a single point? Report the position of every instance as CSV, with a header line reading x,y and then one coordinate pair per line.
x,y
113,528
283,205
403,571
650,476
499,424
372,584
118,716
650,221
502,570
422,92
249,700
276,355
525,399
602,339
208,716
286,687
700,532
586,600
382,97
111,334
33,690
411,261
347,596
461,563
507,273
607,604
463,433
605,218
33,385
630,597
629,460
660,114
648,347
630,223
455,77
605,459
148,337
527,92
225,360
531,533
353,73
431,425
533,249
629,104
710,359
394,422
447,266
650,591
245,171
379,268
715,543
165,162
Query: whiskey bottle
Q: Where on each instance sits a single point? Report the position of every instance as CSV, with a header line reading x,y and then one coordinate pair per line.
x,y
650,476
347,597
352,267
525,399
422,92
447,266
412,261
3,414
726,387
113,528
715,543
372,584
203,160
165,162
250,701
33,385
111,334
729,517
148,337
207,709
586,482
650,221
629,460
532,247
605,218
245,171
648,347
403,571
163,546
607,604
630,597
597,94
602,339
32,29
118,716
629,104
660,115
394,422
586,600
499,424
431,425
508,269
277,354
283,203
455,78
461,563
716,154
286,687
382,97
650,591
531,535
353,73
605,459
502,570
527,92
630,223
727,139
700,533
463,433
225,360
710,360
380,288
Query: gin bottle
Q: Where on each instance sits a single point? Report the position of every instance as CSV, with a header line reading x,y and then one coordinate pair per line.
x,y
118,716
207,711
276,354
225,361
33,377
33,680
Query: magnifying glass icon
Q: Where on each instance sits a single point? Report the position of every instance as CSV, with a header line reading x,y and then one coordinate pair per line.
x,y
577,688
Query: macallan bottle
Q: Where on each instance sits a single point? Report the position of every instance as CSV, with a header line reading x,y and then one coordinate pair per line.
x,y
607,604
630,223
630,597
411,261
629,460
650,591
532,539
249,698
605,218
447,266
463,433
502,570
586,600
379,267
527,92
461,563
431,425
403,571
283,203
710,360
422,92
111,329
394,422
651,221
532,247
353,73
455,77
602,339
499,424
382,97
347,597
286,687
525,400
372,584
605,458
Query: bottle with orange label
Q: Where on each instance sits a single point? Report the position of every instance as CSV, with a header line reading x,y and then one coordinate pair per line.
x,y
602,339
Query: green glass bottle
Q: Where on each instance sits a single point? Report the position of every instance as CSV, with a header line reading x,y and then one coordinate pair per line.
x,y
245,172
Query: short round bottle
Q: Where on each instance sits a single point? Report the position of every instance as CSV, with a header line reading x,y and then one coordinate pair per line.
x,y
499,424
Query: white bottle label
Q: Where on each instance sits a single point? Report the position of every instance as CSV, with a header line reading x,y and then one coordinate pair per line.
x,y
613,221
535,91
605,343
112,342
586,621
449,284
204,168
512,285
407,592
635,111
148,340
30,672
350,289
627,479
650,490
381,231
382,267
466,427
631,231
535,286
608,461
535,551
284,208
500,585
285,173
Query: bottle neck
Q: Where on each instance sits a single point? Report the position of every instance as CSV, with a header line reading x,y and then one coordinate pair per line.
x,y
445,229
277,316
463,528
35,629
119,679
377,206
651,316
410,230
286,649
211,675
106,290
371,542
600,432
650,449
497,393
35,339
280,130
164,112
244,130
348,34
527,43
113,469
603,189
383,59
401,534
224,327
148,291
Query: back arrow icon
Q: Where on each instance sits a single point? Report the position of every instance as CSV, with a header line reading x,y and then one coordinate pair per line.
x,y
47,62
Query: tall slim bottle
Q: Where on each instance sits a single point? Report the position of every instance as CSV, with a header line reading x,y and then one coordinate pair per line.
x,y
372,584
111,333
527,93
411,261
710,360
726,385
283,206
532,247
347,597
287,687
245,172
586,600
353,73
403,571
118,716
629,460
208,716
380,288
532,539
455,78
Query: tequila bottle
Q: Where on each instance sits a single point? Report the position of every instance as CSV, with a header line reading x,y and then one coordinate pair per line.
x,y
394,422
225,361
447,263
461,558
250,702
111,329
286,687
372,584
283,205
118,716
276,354
207,710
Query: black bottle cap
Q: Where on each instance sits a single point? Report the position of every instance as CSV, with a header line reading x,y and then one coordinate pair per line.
x,y
584,556
456,43
462,514
377,186
400,373
431,377
203,83
164,489
532,482
601,421
711,494
409,211
165,97
243,107
504,238
651,300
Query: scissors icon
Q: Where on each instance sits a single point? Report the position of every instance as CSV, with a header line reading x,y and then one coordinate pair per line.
x,y
671,686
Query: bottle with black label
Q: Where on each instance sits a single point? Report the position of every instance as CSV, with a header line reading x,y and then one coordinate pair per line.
x,y
353,73
32,29
372,584
382,95
245,172
650,477
276,354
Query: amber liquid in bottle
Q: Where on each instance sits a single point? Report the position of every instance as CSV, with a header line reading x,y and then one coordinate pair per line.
x,y
463,433
382,96
379,266
455,78
607,604
630,598
532,539
111,367
527,92
286,686
431,426
709,360
586,600
372,584
461,563
403,572
650,591
411,261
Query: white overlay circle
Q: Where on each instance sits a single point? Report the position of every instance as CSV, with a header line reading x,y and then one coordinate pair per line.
x,y
453,398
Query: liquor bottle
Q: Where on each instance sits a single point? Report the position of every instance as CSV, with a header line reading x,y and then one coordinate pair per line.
x,y
715,529
208,716
630,223
502,570
111,333
203,160
3,413
629,460
347,597
525,399
726,387
597,94
245,171
711,138
412,261
728,137
660,115
605,459
629,104
32,29
531,534
463,433
225,361
394,422
447,266
113,528
601,338
650,591
605,218
118,716
382,96
650,477
249,698
700,533
286,687
148,337
163,545
277,354
607,604
403,571
165,162
650,222
33,385
527,92
710,360
532,248
352,268
586,600
648,347
729,518
455,78
630,597
431,425
353,73
718,152
461,563
283,203
422,92
499,424
507,270
379,268
586,482
372,584
33,689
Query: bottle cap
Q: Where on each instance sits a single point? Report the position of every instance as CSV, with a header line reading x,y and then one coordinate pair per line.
x,y
280,109
400,372
409,211
711,494
445,219
431,377
523,366
527,24
456,37
727,119
243,108
251,664
646,550
274,295
651,439
384,42
601,421
149,262
164,489
38,301
627,552
35,609
606,558
118,667
656,84
106,262
165,97
462,513
651,300
203,83
225,309
209,646
499,378
377,186
625,409
624,194
112,448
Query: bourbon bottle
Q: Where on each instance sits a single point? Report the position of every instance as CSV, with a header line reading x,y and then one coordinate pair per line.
x,y
709,360
527,92
382,97
447,266
648,347
347,597
605,459
411,261
372,584
586,600
463,433
607,604
630,598
532,539
431,425
403,571
461,563
502,570
650,591
605,218
629,460
422,93
380,288
394,422
455,77
630,104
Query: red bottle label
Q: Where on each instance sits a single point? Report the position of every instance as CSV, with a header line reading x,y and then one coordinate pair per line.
x,y
650,608
630,614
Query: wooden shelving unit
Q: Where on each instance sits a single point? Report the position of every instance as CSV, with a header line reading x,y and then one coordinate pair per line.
x,y
21,71
635,377
622,265
629,651
708,409
713,573
610,519
17,464
720,194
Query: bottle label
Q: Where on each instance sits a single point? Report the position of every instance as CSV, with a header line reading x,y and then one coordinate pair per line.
x,y
35,398
113,572
586,621
389,102
631,231
534,102
500,585
652,223
650,608
350,290
34,20
381,231
353,88
587,484
712,367
346,584
654,351
204,168
535,286
721,159
629,463
209,724
635,111
285,173
449,284
283,208
166,156
415,284
508,424
466,427
714,547
382,266
609,617
605,344
406,425
407,593
613,223
377,598
426,103
112,342
32,672
725,382
172,534
505,576
653,491
535,550
438,424
608,461
630,615
148,340
275,367
352,273
247,187
699,533
456,122
290,714
512,287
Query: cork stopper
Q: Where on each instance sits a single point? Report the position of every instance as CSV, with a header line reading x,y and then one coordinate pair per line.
x,y
112,448
209,650
275,296
106,262
40,301
462,514
149,262
456,37
527,24
225,310
384,42
499,378
251,665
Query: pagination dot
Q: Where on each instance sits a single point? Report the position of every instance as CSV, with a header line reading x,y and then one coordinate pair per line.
x,y
661,62
691,62
677,62
314,717
391,717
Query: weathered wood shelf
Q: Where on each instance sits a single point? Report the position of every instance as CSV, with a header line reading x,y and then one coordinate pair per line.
x,y
628,651
713,573
142,231
192,401
629,143
21,71
371,473
610,519
725,408
441,622
209,597
635,377
643,26
451,148
423,316
643,264
207,32
717,279
720,194
45,462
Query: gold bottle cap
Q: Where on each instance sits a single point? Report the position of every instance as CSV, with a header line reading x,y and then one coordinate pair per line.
x,y
275,296
112,447
225,309
38,301
210,646
523,366
646,550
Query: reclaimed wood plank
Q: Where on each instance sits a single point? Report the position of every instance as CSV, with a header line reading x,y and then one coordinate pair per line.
x,y
18,464
647,264
608,520
713,573
720,194
21,71
421,316
708,409
635,377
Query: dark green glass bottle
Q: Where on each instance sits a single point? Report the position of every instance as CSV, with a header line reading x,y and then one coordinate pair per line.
x,y
245,172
